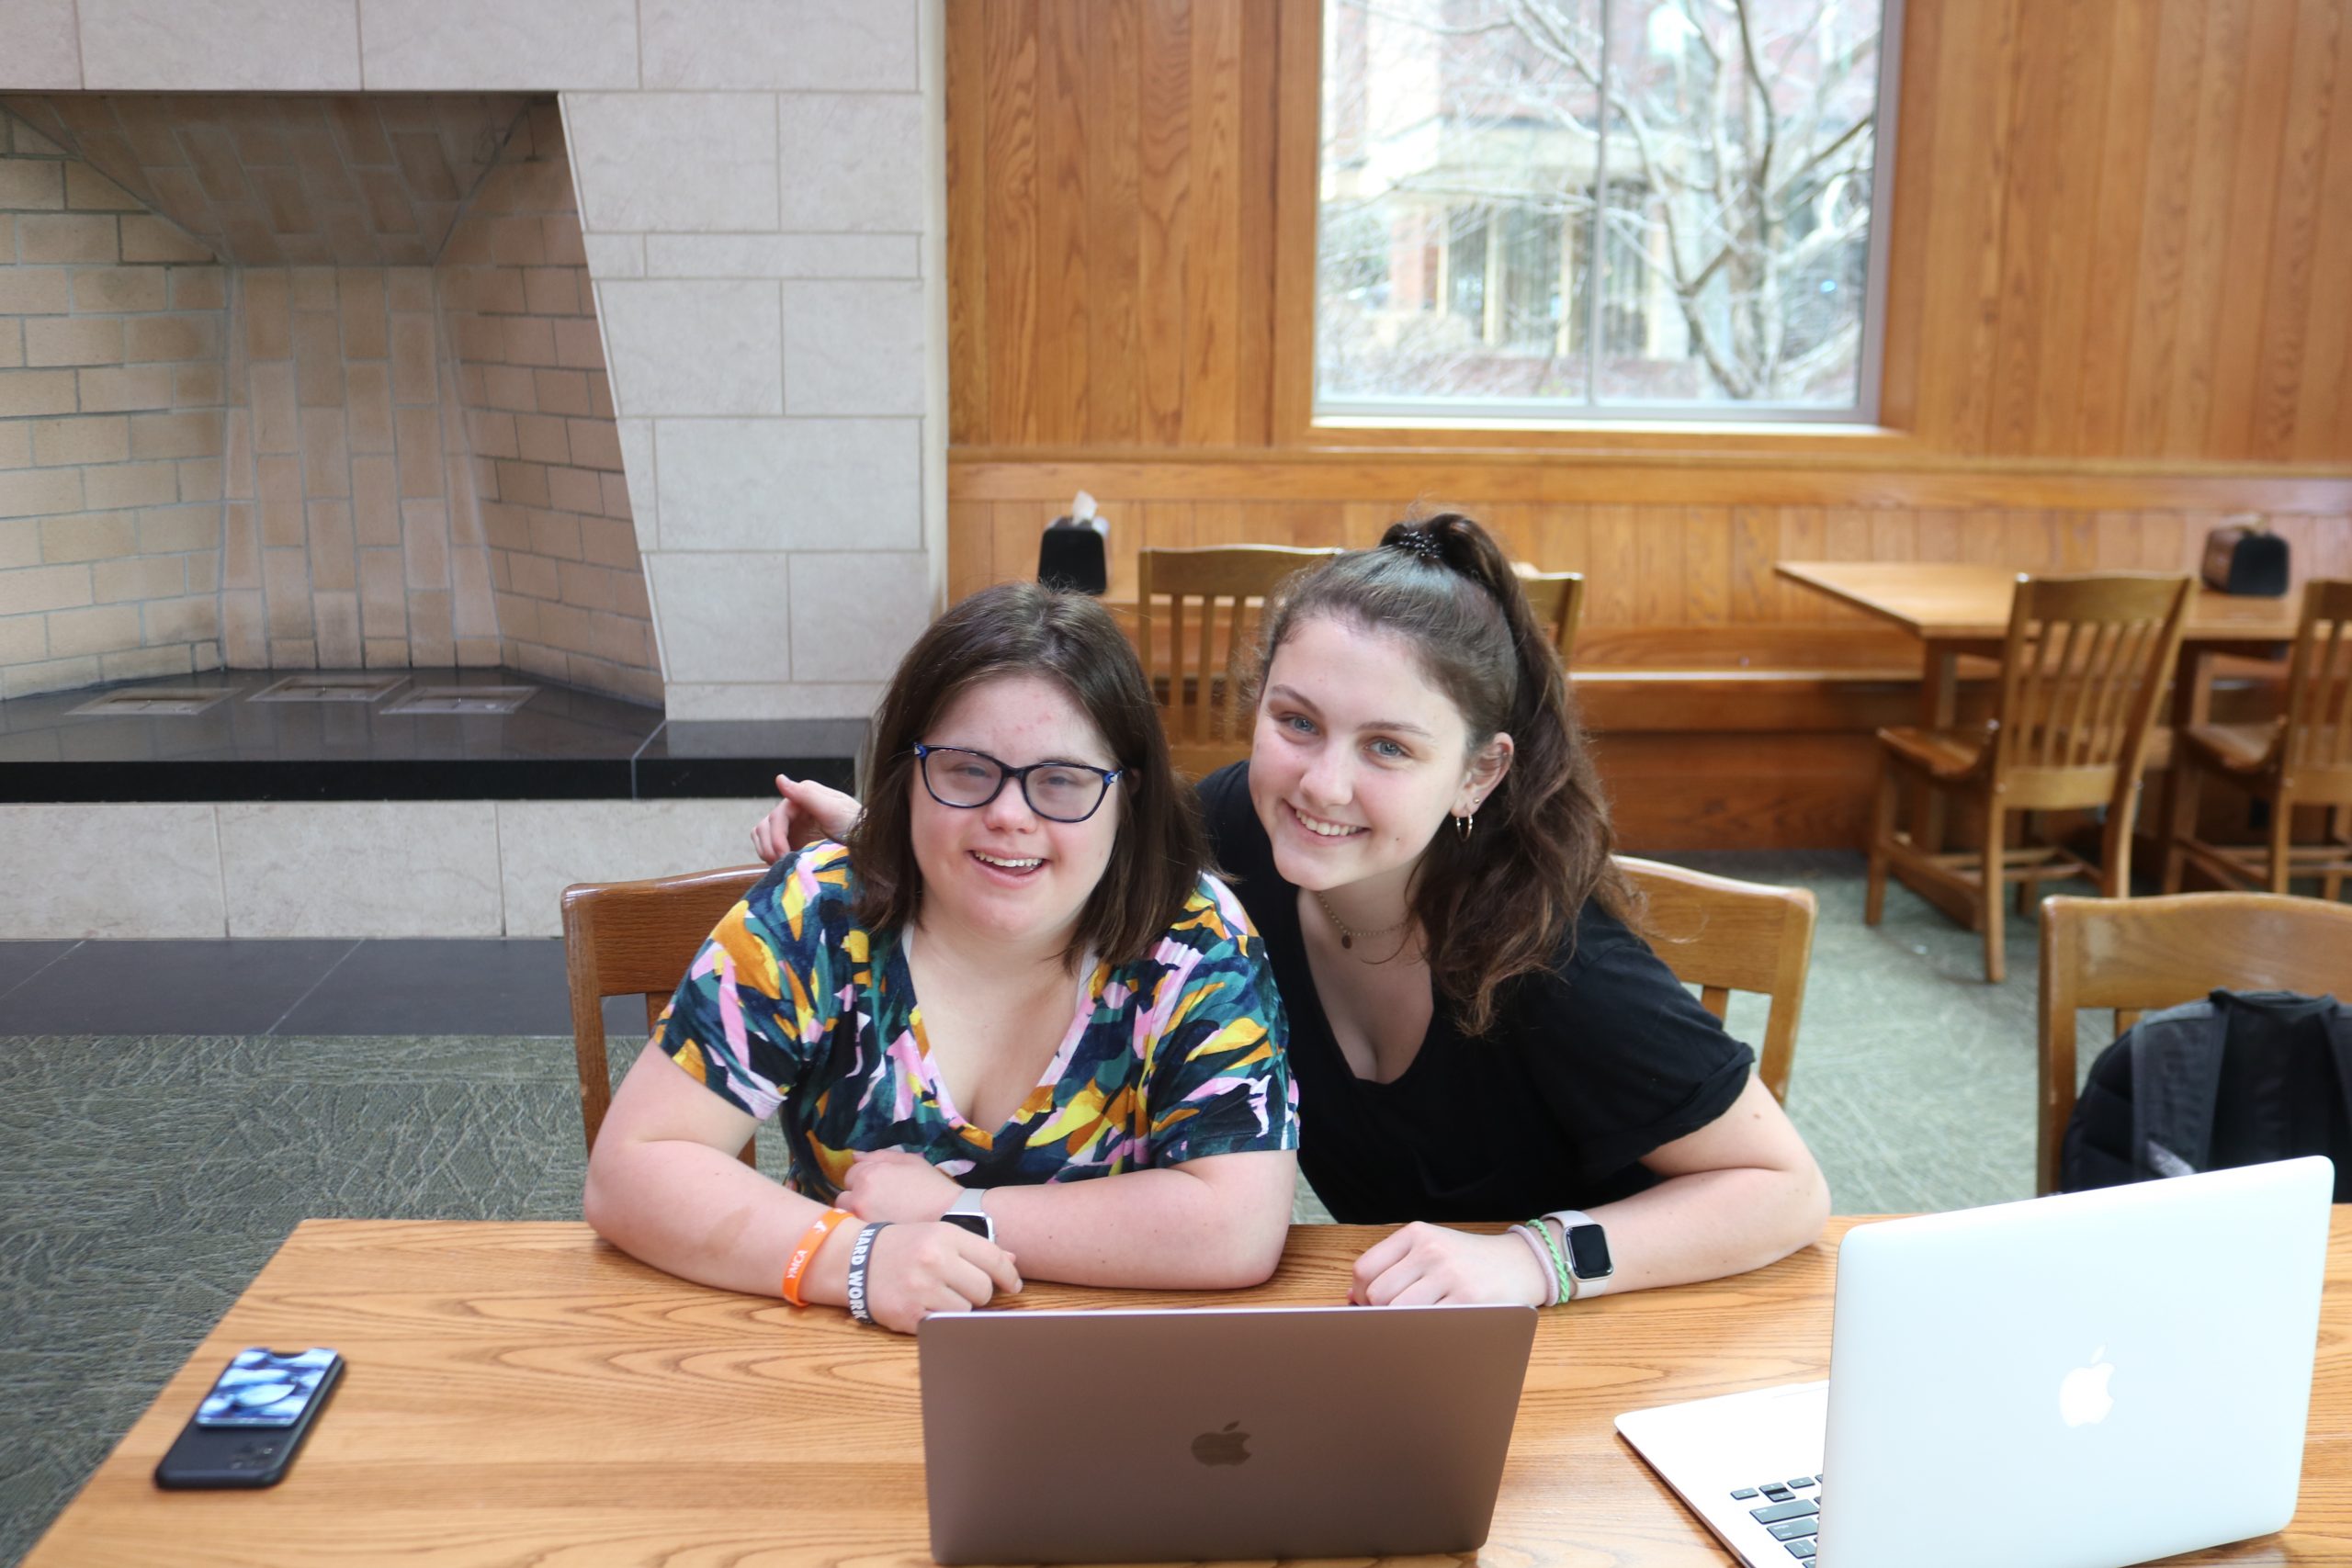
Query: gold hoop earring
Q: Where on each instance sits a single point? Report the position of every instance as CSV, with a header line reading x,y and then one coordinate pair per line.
x,y
1463,825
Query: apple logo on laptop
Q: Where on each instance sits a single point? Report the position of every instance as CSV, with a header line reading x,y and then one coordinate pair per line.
x,y
1230,1446
2083,1399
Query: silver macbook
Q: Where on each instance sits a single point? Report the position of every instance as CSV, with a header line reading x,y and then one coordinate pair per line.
x,y
2076,1382
1264,1432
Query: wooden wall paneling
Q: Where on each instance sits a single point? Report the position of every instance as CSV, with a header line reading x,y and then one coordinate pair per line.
x,y
1960,309
1297,157
1012,228
1212,282
1363,522
1254,187
2249,218
1113,220
1513,528
2214,159
1804,536
2118,547
1658,567
2039,111
971,547
1018,525
2287,302
2336,554
2158,282
1909,253
2124,155
967,251
1067,233
1164,251
1563,539
2323,421
2029,544
1611,588
2068,233
1984,536
2161,541
1936,535
1895,533
1706,565
1224,523
1755,543
2073,541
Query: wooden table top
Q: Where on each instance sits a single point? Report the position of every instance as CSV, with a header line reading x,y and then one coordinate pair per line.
x,y
523,1392
1955,601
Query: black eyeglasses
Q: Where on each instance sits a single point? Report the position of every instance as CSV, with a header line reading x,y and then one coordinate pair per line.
x,y
1058,792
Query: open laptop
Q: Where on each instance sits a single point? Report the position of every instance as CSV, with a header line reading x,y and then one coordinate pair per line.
x,y
1266,1432
2076,1382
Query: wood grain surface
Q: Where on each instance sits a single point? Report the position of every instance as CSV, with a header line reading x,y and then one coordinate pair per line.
x,y
525,1394
2120,228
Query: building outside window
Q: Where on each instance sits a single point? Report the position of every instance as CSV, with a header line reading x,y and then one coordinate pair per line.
x,y
1602,209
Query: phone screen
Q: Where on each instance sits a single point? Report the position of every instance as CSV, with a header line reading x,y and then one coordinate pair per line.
x,y
262,1388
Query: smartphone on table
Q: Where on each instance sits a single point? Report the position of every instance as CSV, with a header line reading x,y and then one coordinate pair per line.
x,y
247,1428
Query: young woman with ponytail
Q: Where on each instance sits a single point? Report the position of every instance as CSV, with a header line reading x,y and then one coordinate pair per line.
x,y
1475,1030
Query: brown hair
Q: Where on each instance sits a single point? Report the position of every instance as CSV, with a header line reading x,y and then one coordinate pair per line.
x,y
1499,904
1021,629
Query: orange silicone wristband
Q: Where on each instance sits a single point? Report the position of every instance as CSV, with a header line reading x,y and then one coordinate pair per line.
x,y
810,1240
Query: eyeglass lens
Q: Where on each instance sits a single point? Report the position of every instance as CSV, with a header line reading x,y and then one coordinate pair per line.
x,y
970,779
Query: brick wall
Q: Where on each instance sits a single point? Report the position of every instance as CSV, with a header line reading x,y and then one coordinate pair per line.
x,y
520,324
112,325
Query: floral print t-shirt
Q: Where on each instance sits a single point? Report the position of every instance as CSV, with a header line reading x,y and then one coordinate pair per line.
x,y
792,1010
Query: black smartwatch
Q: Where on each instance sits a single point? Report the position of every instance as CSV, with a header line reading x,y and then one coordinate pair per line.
x,y
966,1214
1587,1246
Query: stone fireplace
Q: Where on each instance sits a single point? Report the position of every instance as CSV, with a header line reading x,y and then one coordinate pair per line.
x,y
596,339
600,342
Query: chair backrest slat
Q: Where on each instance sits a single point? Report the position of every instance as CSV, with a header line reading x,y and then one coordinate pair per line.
x,y
2137,955
2319,679
2085,662
1724,935
635,939
1212,598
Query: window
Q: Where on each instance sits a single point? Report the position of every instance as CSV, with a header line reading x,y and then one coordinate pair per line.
x,y
1602,209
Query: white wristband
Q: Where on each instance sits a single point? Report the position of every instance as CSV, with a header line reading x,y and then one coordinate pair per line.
x,y
1542,1265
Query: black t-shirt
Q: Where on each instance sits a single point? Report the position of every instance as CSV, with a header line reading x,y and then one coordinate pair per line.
x,y
1588,1067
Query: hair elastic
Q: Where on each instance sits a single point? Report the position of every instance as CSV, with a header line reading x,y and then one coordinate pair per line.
x,y
1423,543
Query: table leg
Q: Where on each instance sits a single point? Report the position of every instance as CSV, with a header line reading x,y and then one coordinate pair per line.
x,y
1939,709
2192,703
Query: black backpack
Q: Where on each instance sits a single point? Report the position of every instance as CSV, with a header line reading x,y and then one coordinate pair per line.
x,y
2241,1078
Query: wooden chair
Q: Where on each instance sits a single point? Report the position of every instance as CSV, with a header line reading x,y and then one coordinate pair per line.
x,y
1557,599
2082,668
1213,598
2139,954
2302,758
1722,936
623,939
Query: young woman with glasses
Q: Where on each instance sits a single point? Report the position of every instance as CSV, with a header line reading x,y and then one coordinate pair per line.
x,y
1477,1032
1009,1020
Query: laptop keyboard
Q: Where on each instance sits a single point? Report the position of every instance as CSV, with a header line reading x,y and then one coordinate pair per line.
x,y
1790,1509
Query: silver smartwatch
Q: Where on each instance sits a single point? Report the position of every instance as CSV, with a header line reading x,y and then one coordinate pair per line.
x,y
966,1214
1587,1250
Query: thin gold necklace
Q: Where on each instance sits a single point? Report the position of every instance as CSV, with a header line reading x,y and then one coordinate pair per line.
x,y
1348,933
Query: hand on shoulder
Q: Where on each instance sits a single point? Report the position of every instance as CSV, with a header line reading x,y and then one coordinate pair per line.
x,y
808,811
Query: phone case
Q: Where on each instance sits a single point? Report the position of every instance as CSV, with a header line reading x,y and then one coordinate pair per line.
x,y
209,1457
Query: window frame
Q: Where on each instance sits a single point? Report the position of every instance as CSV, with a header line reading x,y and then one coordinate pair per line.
x,y
1304,418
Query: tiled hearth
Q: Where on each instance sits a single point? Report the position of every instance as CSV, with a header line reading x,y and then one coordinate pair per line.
x,y
346,817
